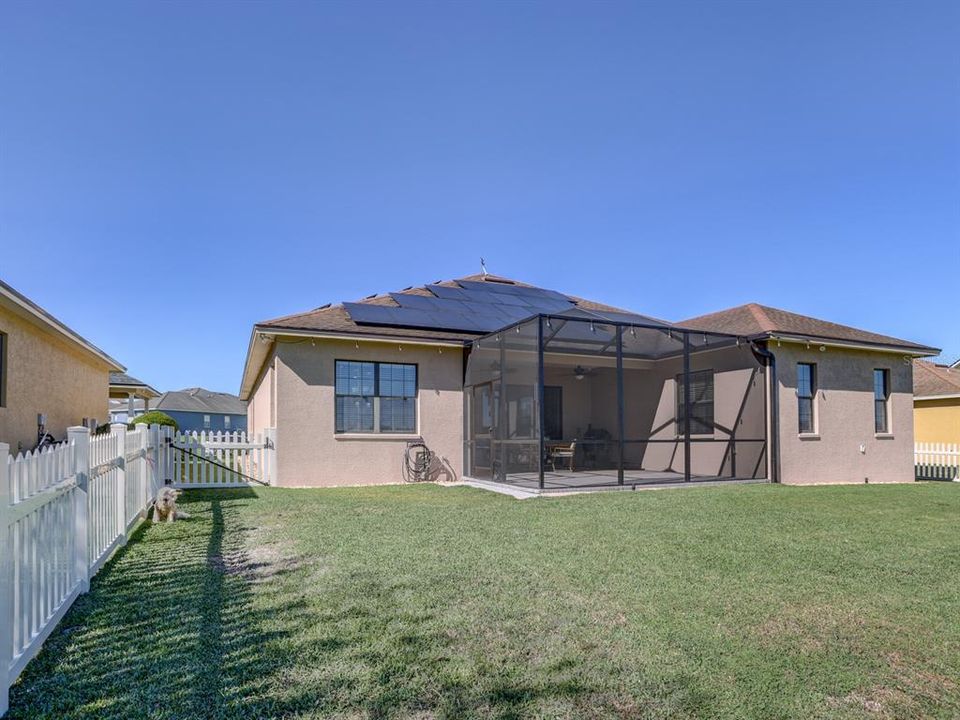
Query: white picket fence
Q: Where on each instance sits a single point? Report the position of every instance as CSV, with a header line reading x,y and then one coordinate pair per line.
x,y
63,511
207,460
936,461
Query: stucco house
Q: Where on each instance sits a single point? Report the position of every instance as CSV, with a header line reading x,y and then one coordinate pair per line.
x,y
517,385
46,369
200,410
936,402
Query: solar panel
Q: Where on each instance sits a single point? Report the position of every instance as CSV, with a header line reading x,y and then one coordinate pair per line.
x,y
414,301
486,314
505,289
453,293
366,314
475,307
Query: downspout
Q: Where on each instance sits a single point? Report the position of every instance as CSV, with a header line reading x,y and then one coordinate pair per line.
x,y
770,361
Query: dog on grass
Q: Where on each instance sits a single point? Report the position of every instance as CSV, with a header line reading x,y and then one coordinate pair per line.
x,y
165,508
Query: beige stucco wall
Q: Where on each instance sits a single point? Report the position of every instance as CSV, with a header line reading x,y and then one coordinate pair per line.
x,y
845,420
309,453
45,374
261,409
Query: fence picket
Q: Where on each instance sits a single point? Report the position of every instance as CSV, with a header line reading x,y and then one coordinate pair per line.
x,y
221,459
63,511
937,461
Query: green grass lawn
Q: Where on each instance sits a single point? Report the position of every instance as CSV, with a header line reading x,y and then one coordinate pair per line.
x,y
420,602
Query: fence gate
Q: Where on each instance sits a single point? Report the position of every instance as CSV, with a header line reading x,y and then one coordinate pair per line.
x,y
209,460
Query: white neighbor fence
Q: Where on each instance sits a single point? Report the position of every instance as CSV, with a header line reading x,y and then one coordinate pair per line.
x,y
936,461
223,459
65,509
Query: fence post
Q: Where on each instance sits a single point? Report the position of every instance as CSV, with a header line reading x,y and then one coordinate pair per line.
x,y
79,437
6,580
142,430
270,440
166,437
156,440
119,433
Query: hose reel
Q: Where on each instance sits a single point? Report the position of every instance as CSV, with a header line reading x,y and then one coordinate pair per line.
x,y
417,461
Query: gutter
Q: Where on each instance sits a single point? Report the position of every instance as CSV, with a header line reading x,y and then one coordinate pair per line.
x,y
955,396
813,340
271,333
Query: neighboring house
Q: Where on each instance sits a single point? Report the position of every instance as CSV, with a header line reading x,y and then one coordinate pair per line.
x,y
46,369
936,402
196,409
515,384
129,397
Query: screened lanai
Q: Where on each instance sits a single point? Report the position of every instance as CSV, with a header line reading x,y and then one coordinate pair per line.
x,y
589,400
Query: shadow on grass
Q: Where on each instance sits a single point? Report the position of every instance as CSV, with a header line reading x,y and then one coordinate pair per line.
x,y
188,622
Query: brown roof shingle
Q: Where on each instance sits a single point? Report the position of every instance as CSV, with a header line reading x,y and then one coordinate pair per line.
x,y
756,319
930,379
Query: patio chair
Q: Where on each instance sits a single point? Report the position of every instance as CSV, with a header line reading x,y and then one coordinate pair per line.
x,y
562,451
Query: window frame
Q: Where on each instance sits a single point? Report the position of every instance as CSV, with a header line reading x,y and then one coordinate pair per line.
x,y
883,402
207,422
377,428
227,422
695,404
811,398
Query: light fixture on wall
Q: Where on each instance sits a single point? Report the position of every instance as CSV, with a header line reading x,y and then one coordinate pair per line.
x,y
579,372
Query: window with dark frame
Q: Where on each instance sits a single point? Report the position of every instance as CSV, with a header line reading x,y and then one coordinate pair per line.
x,y
701,403
375,397
806,391
881,397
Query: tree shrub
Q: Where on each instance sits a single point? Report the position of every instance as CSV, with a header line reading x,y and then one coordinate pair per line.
x,y
154,417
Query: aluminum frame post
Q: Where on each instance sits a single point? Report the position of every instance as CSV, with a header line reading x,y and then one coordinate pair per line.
x,y
686,407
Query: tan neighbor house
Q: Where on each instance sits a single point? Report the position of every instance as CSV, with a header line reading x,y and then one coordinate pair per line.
x,y
512,384
46,369
936,402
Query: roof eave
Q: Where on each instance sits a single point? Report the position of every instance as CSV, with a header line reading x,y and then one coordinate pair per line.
x,y
911,350
42,318
142,386
946,396
254,362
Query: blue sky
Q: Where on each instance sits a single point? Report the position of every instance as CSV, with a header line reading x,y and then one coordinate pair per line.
x,y
171,173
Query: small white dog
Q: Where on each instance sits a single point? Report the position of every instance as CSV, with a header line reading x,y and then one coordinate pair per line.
x,y
165,508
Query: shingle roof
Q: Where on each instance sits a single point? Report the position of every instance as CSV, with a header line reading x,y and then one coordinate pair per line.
x,y
334,318
201,400
930,379
755,319
119,378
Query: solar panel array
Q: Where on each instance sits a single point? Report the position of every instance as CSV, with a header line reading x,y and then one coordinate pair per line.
x,y
475,307
471,306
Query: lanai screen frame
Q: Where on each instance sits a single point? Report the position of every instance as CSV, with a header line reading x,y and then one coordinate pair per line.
x,y
687,350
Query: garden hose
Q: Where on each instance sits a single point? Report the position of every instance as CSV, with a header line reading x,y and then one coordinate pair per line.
x,y
417,461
